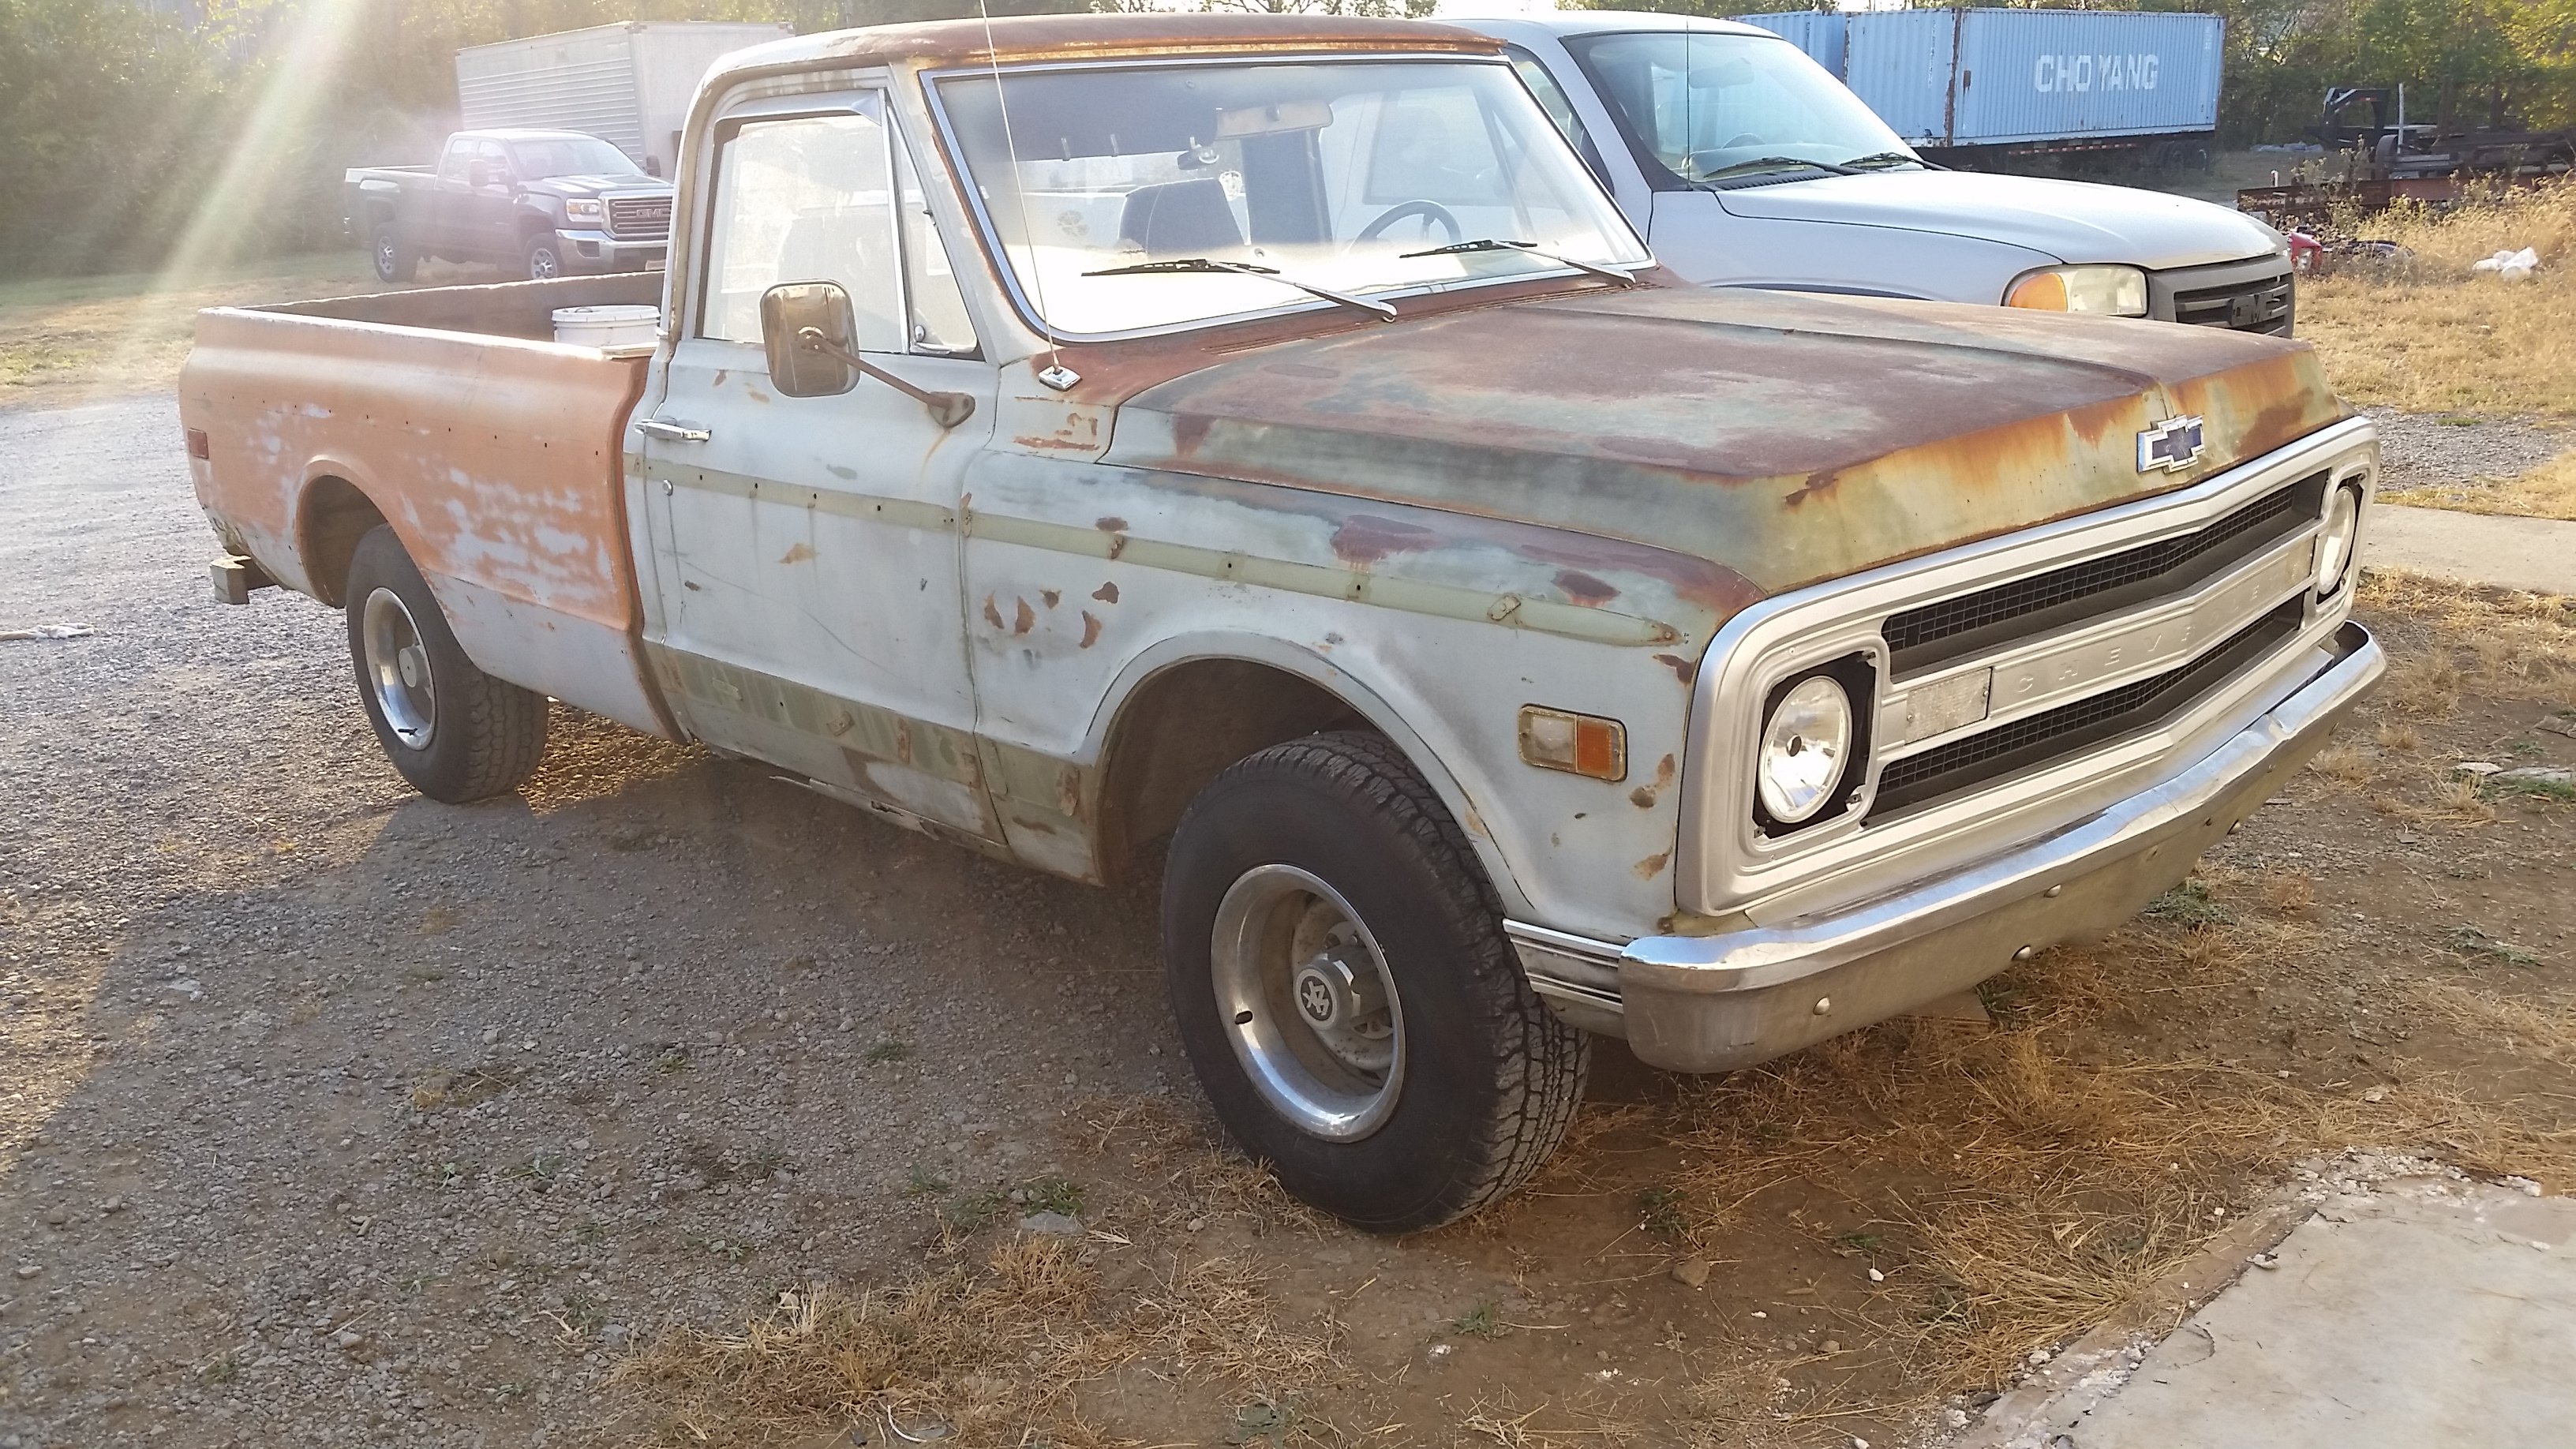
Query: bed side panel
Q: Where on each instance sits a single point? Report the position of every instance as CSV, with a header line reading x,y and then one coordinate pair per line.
x,y
497,461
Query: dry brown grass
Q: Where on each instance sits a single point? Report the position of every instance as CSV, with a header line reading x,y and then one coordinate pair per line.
x,y
2434,337
2444,638
2548,491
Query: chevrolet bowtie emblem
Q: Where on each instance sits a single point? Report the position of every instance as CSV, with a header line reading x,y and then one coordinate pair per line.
x,y
2172,445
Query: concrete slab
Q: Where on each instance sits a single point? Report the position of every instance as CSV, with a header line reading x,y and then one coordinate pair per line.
x,y
2538,554
2414,1314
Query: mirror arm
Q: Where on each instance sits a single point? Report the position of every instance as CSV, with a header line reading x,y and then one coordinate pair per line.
x,y
948,409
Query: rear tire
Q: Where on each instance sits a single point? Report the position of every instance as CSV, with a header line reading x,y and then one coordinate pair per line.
x,y
395,262
456,733
1318,900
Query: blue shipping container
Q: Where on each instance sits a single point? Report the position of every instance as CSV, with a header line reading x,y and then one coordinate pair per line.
x,y
1977,77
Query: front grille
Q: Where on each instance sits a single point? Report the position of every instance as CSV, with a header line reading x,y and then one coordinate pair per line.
x,y
639,218
2261,305
1951,628
2057,733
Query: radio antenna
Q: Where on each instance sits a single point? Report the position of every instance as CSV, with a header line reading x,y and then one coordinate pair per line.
x,y
1055,375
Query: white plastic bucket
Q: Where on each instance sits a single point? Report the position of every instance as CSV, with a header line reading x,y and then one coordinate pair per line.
x,y
615,326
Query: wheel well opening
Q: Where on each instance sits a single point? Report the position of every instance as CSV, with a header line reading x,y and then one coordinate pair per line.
x,y
1184,725
336,516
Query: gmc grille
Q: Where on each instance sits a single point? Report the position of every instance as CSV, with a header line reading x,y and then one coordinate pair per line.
x,y
639,218
2260,306
1932,633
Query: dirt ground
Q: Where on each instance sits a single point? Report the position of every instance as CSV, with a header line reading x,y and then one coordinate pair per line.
x,y
671,1104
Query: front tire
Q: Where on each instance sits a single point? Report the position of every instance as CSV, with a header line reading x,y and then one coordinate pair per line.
x,y
394,261
1347,996
456,733
543,261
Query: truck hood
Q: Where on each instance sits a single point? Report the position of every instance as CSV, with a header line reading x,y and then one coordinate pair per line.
x,y
1785,439
2073,221
587,186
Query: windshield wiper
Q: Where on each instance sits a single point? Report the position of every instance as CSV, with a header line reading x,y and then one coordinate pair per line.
x,y
1876,159
1498,244
1247,269
1775,163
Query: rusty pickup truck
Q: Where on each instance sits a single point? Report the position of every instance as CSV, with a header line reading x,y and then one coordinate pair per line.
x,y
1257,446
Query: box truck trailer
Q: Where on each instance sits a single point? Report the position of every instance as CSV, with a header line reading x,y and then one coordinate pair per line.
x,y
628,84
2024,80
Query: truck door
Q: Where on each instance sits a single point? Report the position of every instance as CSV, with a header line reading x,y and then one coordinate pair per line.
x,y
438,226
807,549
491,215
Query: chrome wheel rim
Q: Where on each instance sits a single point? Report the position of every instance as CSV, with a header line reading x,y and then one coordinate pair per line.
x,y
1305,998
398,669
386,256
542,264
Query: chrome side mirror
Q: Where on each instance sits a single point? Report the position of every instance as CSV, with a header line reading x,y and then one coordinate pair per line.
x,y
807,328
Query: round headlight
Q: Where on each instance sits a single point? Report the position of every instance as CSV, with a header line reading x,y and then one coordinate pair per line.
x,y
1803,747
2335,539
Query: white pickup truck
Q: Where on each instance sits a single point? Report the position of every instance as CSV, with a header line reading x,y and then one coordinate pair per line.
x,y
1745,164
1068,444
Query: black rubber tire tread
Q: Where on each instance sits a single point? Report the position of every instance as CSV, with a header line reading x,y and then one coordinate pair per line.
x,y
489,734
1533,1064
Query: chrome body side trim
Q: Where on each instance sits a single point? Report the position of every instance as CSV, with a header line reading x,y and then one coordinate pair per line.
x,y
1725,865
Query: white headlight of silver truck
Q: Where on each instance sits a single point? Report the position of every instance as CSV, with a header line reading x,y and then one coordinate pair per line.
x,y
2335,539
2097,291
1804,744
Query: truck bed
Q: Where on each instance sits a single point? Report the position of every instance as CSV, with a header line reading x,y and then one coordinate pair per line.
x,y
451,414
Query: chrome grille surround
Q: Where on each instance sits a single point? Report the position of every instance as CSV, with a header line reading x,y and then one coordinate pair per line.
x,y
1726,865
640,218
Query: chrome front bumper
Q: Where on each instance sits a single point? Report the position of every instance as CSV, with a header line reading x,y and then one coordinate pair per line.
x,y
599,251
1712,1003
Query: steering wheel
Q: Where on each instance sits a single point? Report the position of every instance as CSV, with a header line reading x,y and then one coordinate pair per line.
x,y
1430,211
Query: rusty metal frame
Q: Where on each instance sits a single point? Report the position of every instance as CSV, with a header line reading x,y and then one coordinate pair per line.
x,y
1723,868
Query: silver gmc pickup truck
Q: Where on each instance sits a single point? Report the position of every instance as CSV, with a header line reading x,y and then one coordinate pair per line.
x,y
1258,445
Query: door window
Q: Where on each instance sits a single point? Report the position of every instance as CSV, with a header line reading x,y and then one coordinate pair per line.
x,y
805,199
939,322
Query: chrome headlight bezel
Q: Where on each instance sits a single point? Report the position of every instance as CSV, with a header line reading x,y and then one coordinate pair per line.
x,y
1829,705
589,209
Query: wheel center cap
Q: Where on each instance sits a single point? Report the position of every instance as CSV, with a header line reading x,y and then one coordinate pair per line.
x,y
415,671
1316,997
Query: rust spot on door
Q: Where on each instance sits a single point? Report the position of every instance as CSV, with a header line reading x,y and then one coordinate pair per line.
x,y
992,614
1025,618
1090,629
1051,596
1816,483
1366,538
1585,589
1106,593
1111,524
797,554
1682,668
1652,865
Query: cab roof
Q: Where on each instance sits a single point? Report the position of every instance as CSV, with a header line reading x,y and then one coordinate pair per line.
x,y
1019,38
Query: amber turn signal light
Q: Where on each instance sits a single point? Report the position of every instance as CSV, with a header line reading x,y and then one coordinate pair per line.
x,y
1579,744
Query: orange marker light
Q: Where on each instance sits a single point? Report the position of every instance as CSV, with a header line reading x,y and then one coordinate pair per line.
x,y
2041,291
1578,744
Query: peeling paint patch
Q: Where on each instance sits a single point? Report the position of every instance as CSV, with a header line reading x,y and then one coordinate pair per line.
x,y
1652,865
1025,619
845,474
1051,596
1642,797
1111,525
1585,589
992,612
798,554
1816,483
1090,629
1366,538
1683,669
1106,593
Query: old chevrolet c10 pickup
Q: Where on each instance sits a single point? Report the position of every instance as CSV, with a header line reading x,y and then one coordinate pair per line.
x,y
1258,444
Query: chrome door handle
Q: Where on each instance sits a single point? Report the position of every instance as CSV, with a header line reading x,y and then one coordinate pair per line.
x,y
672,432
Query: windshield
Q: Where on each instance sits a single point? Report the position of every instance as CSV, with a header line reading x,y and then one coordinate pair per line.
x,y
1701,104
569,156
1292,175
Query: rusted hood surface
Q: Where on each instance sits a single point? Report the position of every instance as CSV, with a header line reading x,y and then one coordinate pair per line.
x,y
1789,439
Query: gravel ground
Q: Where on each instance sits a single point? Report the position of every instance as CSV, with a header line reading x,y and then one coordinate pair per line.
x,y
336,1116
2428,450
